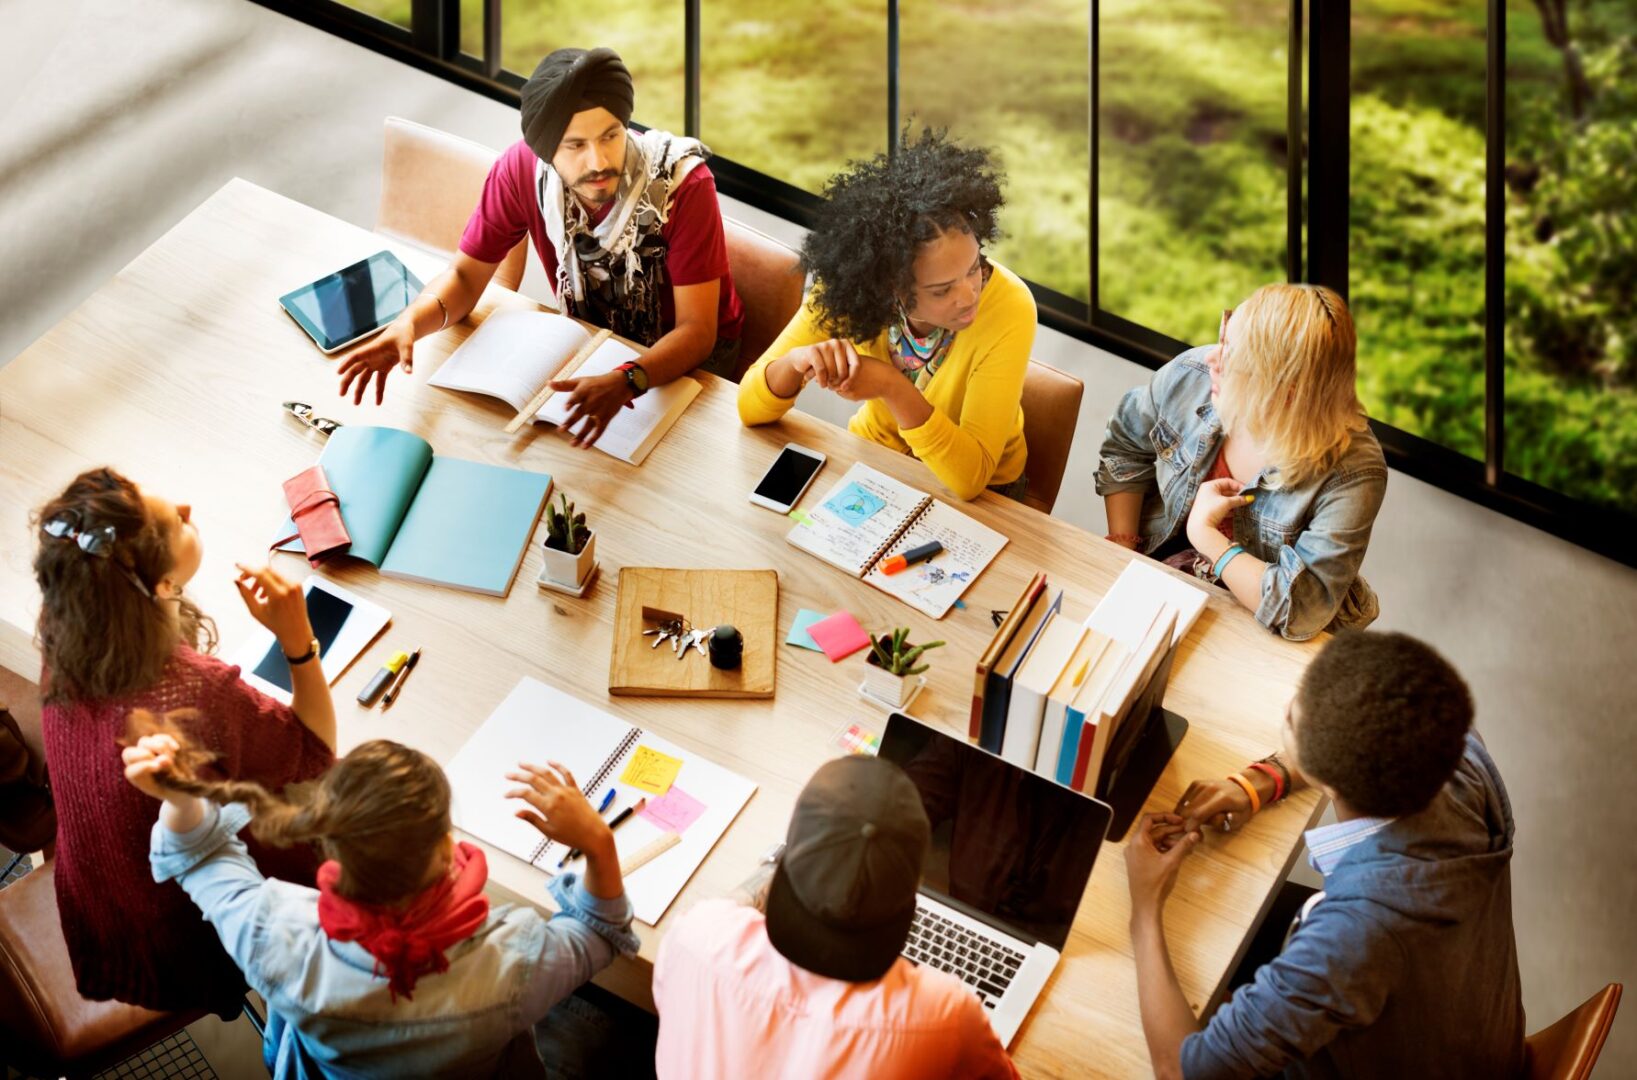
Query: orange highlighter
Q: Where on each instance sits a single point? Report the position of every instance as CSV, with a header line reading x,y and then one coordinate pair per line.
x,y
914,555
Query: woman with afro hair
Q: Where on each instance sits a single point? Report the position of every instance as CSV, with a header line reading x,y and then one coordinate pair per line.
x,y
909,319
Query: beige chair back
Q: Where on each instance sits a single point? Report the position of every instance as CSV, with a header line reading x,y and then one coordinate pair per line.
x,y
1051,411
430,183
768,277
1568,1049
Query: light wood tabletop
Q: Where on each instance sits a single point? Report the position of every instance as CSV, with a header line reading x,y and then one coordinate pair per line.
x,y
173,372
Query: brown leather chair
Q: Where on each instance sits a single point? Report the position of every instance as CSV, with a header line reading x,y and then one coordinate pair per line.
x,y
1051,411
430,183
1568,1049
46,1027
769,279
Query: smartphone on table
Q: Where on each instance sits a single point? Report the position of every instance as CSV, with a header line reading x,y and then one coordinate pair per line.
x,y
787,479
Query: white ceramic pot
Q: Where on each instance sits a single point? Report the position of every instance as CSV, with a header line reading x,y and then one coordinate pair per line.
x,y
571,570
887,686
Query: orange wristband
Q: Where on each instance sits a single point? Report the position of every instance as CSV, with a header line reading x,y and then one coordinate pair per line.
x,y
1250,790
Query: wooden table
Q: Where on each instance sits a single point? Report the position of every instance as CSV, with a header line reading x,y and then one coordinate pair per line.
x,y
174,372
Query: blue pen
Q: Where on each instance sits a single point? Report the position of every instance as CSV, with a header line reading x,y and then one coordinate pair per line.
x,y
574,853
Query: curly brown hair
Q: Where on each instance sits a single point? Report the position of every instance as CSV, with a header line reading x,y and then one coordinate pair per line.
x,y
380,812
100,635
1383,721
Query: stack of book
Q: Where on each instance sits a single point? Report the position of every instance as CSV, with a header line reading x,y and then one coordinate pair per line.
x,y
1069,699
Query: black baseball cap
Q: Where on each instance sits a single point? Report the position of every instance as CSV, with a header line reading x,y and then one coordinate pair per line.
x,y
843,895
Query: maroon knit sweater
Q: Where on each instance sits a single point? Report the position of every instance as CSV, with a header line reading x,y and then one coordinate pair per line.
x,y
129,937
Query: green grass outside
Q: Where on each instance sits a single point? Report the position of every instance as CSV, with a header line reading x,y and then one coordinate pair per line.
x,y
1192,159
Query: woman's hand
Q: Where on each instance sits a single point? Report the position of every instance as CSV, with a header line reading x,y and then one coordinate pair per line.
x,y
828,363
393,347
554,805
1212,505
1214,804
871,379
152,757
277,604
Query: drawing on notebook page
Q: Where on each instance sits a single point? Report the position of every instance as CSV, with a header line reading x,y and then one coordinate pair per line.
x,y
854,505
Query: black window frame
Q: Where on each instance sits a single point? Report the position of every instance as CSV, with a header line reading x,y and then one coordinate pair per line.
x,y
1317,198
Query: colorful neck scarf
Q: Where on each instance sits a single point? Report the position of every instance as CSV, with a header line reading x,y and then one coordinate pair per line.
x,y
409,943
919,357
613,272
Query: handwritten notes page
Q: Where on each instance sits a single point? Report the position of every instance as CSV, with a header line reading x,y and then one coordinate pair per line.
x,y
855,518
651,771
933,586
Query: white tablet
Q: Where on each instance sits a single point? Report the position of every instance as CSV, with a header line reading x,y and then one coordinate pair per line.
x,y
344,624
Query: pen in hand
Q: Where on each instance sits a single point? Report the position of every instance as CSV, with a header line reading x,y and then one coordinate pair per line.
x,y
619,819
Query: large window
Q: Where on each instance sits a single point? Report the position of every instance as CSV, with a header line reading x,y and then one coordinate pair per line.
x,y
1462,169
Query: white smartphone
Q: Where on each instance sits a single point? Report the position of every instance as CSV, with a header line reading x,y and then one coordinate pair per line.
x,y
786,480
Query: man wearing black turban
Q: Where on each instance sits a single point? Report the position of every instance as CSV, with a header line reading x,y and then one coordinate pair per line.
x,y
626,224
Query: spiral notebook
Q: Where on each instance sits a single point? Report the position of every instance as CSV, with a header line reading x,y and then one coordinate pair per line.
x,y
869,516
538,723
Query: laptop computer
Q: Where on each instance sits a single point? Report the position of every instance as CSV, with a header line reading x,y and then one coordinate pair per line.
x,y
1010,856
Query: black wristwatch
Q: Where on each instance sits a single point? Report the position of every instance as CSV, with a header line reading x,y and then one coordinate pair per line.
x,y
636,378
309,655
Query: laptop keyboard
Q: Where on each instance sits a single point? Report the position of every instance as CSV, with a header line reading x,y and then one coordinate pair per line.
x,y
985,965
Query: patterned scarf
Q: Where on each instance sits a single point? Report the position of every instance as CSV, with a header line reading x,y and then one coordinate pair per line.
x,y
920,357
612,273
409,943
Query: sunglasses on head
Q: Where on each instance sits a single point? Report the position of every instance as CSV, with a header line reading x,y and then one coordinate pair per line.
x,y
304,413
96,541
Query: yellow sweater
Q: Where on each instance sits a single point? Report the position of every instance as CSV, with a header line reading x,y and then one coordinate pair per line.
x,y
974,437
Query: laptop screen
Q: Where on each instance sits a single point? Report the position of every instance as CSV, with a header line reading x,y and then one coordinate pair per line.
x,y
1008,846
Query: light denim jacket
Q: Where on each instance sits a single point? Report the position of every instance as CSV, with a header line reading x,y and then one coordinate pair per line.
x,y
1162,441
330,1015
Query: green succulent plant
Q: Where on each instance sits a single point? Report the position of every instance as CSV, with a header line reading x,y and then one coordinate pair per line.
x,y
565,530
896,655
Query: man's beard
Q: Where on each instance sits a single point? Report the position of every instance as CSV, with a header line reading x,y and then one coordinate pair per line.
x,y
592,196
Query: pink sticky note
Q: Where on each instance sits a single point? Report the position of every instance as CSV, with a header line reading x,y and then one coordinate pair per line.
x,y
673,811
839,636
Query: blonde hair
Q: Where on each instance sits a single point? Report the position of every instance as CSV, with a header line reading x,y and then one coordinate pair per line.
x,y
1288,378
380,812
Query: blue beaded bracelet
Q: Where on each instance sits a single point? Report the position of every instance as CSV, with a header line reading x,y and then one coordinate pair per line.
x,y
1227,557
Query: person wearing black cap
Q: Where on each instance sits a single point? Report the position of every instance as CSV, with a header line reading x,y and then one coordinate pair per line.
x,y
626,224
808,974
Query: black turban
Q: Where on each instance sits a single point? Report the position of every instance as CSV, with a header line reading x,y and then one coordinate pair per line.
x,y
570,81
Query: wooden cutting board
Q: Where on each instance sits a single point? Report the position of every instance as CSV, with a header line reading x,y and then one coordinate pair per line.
x,y
748,599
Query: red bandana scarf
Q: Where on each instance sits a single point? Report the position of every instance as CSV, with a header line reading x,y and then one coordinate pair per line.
x,y
409,943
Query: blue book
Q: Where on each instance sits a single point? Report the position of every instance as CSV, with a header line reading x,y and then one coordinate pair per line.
x,y
997,695
441,520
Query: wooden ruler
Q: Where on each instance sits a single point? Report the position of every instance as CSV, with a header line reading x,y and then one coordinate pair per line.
x,y
649,852
566,371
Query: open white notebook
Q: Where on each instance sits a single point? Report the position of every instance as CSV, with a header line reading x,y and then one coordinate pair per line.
x,y
538,723
868,516
515,353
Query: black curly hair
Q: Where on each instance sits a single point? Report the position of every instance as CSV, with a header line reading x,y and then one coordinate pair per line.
x,y
876,216
1383,721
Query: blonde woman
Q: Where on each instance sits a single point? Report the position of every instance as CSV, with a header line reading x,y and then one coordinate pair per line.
x,y
1250,463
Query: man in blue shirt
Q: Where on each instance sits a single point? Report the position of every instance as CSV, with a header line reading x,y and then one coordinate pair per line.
x,y
1405,964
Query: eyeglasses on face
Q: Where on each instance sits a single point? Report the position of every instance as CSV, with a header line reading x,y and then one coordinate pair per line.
x,y
96,541
304,413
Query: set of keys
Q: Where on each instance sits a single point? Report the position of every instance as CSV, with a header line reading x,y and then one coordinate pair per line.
x,y
681,636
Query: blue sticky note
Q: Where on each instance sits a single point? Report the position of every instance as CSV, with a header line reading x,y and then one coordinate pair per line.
x,y
798,630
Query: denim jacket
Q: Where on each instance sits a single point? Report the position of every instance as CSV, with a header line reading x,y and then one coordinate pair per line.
x,y
1162,441
330,1015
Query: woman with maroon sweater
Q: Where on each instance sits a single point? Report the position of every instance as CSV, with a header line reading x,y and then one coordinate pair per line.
x,y
116,634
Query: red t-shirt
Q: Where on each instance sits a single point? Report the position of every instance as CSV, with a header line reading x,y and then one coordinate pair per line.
x,y
1220,471
129,937
697,252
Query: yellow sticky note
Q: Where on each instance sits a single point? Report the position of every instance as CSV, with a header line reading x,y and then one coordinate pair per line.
x,y
651,771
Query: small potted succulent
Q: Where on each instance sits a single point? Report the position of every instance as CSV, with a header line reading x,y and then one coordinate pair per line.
x,y
892,666
569,544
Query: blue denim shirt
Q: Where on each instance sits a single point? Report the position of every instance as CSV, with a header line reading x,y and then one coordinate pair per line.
x,y
1407,967
330,1015
1162,441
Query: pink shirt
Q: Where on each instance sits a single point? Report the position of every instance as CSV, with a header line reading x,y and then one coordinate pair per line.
x,y
730,1005
509,210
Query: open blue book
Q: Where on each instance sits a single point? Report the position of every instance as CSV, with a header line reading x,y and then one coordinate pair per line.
x,y
441,520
